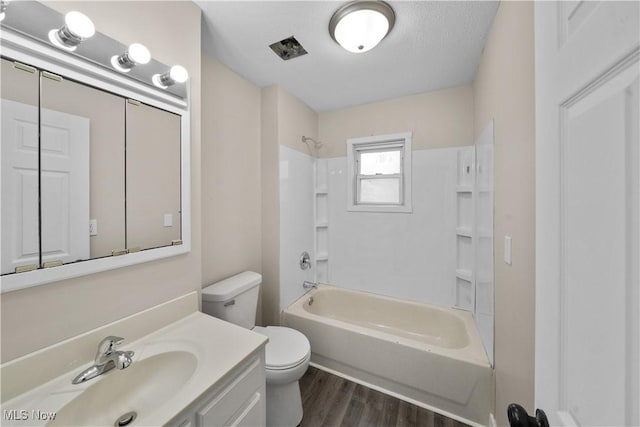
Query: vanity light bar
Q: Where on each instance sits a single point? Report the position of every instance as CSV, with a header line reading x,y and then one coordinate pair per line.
x,y
74,32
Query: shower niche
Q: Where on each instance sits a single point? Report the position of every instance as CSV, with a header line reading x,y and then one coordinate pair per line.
x,y
474,284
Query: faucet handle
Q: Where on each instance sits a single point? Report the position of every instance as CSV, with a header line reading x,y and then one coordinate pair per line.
x,y
107,347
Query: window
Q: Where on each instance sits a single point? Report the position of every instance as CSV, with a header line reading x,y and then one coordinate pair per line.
x,y
379,173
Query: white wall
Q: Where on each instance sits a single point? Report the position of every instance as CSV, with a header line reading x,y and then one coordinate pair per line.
x,y
410,256
296,222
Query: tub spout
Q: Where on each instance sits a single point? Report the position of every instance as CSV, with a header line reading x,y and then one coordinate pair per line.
x,y
309,285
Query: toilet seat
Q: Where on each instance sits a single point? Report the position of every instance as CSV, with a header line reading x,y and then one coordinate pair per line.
x,y
286,349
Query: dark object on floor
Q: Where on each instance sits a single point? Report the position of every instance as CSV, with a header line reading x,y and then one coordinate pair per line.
x,y
331,401
518,417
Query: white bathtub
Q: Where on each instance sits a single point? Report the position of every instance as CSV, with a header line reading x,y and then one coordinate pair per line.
x,y
425,354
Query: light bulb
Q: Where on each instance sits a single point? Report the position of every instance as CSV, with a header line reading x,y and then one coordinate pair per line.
x,y
139,53
136,54
3,7
178,74
361,30
77,27
79,24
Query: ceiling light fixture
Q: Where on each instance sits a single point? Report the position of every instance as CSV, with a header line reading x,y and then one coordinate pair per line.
x,y
359,26
136,54
77,28
177,74
3,8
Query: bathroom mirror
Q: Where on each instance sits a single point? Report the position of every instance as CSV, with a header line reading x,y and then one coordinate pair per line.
x,y
82,164
95,167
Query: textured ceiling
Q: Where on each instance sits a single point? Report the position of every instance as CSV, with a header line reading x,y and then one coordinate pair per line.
x,y
433,45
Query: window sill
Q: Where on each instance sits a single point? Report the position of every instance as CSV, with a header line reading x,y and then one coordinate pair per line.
x,y
376,208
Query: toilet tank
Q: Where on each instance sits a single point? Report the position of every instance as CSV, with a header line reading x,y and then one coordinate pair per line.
x,y
234,299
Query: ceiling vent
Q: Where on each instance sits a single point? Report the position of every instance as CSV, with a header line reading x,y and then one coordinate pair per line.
x,y
288,48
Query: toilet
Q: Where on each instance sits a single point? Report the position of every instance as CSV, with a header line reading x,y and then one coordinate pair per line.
x,y
287,353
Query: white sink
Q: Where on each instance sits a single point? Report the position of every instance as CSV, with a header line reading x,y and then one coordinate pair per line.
x,y
141,388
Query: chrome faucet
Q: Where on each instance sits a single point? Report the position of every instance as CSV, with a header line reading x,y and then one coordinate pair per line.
x,y
106,359
309,285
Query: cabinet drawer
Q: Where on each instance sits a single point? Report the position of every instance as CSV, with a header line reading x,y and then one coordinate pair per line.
x,y
234,397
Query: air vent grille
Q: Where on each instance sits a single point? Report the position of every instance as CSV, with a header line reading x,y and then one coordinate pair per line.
x,y
288,48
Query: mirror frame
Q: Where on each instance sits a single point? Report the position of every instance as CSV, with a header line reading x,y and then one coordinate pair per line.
x,y
32,52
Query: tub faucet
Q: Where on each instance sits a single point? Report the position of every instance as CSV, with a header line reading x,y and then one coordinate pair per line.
x,y
106,359
309,285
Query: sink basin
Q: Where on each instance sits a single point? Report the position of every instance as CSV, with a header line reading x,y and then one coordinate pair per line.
x,y
142,388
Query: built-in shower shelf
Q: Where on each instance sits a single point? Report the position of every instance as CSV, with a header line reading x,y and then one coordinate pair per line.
x,y
484,233
464,189
465,275
464,231
321,219
322,257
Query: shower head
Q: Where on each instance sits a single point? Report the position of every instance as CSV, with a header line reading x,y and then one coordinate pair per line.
x,y
306,140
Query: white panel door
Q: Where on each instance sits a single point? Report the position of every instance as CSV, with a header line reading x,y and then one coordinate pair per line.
x,y
64,191
20,245
587,212
64,151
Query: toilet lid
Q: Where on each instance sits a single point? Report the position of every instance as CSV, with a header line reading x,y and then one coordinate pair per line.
x,y
286,347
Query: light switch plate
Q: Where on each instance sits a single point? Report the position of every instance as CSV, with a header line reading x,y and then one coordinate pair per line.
x,y
168,220
93,227
507,249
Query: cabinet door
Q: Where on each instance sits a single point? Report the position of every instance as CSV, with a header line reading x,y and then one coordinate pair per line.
x,y
252,415
241,402
20,230
153,176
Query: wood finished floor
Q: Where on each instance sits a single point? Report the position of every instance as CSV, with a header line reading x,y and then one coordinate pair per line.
x,y
329,400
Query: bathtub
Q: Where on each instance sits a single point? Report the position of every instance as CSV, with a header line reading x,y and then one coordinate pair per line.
x,y
425,354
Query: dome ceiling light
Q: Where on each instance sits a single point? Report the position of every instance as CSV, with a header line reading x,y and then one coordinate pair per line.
x,y
360,25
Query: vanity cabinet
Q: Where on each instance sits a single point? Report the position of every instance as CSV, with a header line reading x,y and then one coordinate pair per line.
x,y
238,401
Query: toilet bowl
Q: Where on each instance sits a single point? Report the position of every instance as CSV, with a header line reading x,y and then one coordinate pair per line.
x,y
287,359
287,353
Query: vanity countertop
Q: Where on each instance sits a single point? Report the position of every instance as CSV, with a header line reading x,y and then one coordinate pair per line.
x,y
209,349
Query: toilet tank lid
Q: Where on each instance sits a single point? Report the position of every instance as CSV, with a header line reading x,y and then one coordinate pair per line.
x,y
231,287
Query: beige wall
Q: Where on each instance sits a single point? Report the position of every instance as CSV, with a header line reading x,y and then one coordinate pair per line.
x,y
270,208
504,91
40,316
438,119
295,119
231,199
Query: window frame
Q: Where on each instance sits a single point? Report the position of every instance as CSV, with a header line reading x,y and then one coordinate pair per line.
x,y
373,144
